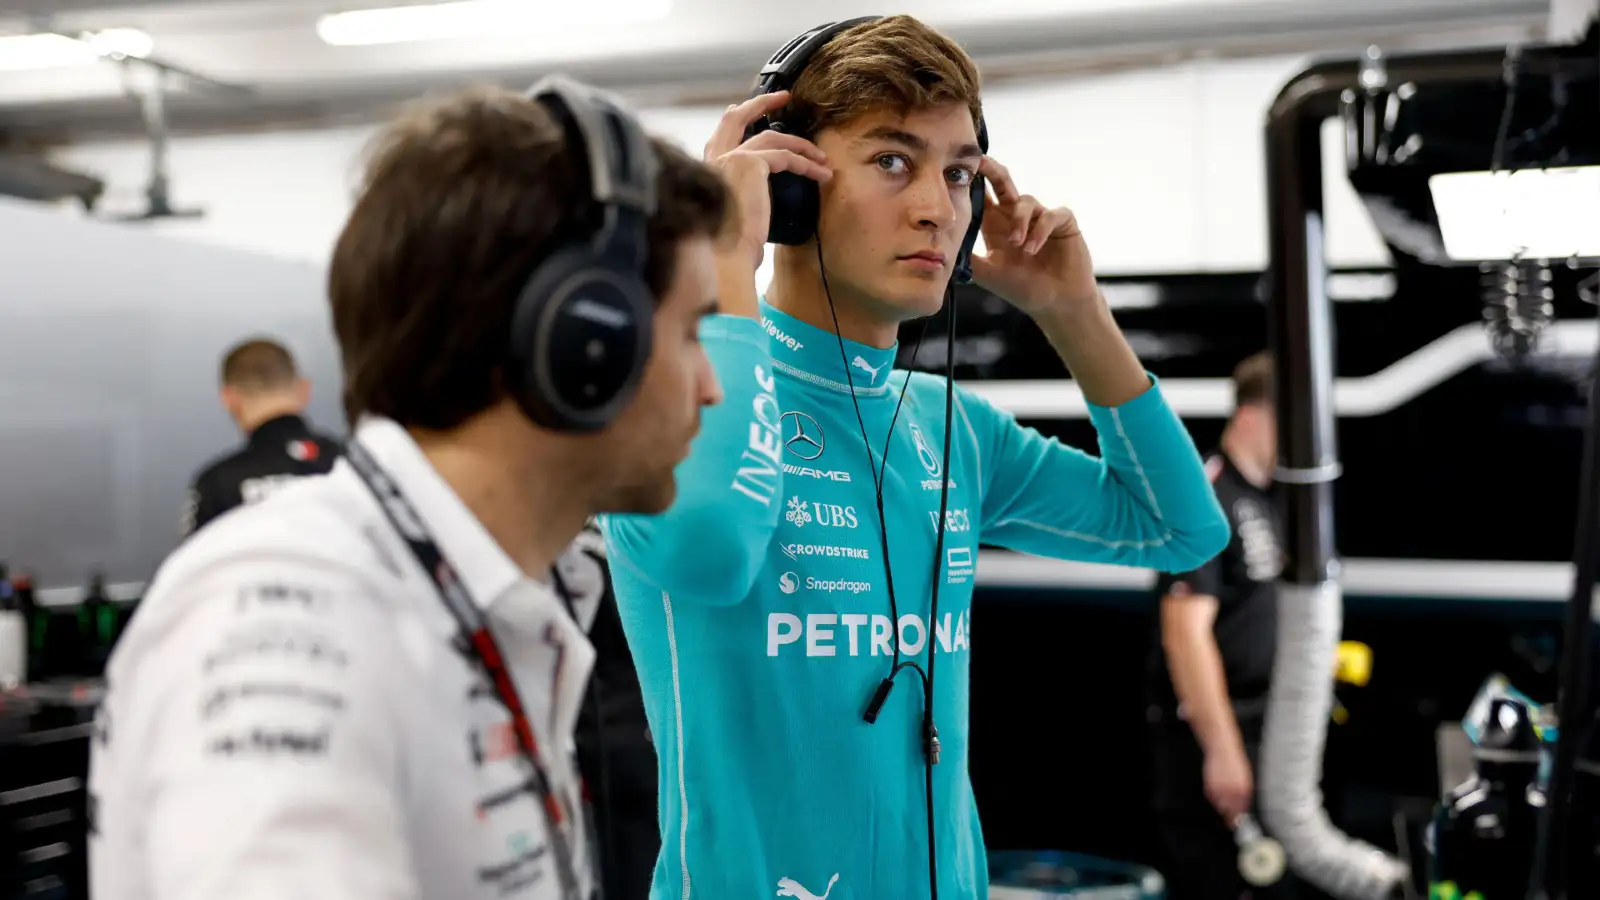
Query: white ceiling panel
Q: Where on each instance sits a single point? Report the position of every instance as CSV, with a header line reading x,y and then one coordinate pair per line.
x,y
272,47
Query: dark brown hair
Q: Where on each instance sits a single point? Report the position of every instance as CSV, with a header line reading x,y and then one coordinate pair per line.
x,y
895,62
1253,380
462,197
258,364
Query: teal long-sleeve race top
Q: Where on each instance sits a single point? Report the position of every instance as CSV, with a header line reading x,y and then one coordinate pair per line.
x,y
757,612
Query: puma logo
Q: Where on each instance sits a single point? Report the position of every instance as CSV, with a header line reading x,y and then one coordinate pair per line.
x,y
861,364
788,887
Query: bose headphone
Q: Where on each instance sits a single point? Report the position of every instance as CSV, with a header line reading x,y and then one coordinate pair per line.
x,y
581,327
796,200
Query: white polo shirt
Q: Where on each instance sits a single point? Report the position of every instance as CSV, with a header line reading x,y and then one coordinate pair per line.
x,y
289,715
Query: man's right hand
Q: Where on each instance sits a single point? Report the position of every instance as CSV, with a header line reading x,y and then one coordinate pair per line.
x,y
745,166
1229,783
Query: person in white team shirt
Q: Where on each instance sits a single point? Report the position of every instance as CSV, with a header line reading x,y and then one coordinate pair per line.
x,y
316,697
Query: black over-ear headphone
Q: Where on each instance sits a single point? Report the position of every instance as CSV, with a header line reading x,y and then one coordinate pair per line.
x,y
581,327
796,201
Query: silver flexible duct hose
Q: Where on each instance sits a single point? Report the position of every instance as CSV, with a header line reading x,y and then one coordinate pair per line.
x,y
1290,777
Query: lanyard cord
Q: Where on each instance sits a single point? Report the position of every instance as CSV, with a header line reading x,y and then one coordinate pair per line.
x,y
477,639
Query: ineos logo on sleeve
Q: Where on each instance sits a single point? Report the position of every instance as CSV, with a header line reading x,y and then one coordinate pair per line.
x,y
802,436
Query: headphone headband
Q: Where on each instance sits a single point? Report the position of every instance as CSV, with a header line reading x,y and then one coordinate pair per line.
x,y
785,66
581,327
622,165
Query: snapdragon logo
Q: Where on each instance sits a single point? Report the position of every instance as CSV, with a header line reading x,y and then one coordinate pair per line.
x,y
789,583
757,475
778,334
860,634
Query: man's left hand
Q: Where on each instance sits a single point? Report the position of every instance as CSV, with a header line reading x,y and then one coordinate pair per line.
x,y
1037,259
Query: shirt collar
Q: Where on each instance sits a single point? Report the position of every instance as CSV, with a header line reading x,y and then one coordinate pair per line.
x,y
278,428
812,354
485,569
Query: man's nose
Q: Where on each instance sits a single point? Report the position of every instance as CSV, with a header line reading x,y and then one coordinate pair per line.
x,y
710,387
933,207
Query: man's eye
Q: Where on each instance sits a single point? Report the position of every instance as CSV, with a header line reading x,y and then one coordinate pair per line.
x,y
961,177
893,163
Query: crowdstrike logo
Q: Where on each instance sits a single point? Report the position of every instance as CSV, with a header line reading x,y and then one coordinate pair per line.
x,y
859,634
795,551
777,334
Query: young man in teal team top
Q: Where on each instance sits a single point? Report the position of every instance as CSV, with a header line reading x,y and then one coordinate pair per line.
x,y
772,607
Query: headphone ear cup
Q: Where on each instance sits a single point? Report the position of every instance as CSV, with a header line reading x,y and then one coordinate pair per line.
x,y
580,337
796,204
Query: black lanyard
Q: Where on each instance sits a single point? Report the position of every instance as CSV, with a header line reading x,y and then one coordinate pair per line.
x,y
477,636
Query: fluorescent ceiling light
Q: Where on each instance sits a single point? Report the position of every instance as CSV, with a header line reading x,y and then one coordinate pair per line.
x,y
480,18
53,51
1535,213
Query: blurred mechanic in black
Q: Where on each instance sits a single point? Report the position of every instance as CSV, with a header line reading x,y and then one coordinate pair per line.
x,y
615,752
266,396
1211,661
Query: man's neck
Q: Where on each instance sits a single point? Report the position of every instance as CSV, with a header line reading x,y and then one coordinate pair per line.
x,y
797,290
265,410
515,484
1256,471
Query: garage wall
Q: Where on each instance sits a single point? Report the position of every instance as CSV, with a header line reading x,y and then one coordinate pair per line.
x,y
108,382
1163,166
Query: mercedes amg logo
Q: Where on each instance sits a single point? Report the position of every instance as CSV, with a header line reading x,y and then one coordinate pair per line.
x,y
802,436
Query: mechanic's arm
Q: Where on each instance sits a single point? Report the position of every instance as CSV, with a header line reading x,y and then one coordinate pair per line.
x,y
1146,501
257,738
1195,663
711,543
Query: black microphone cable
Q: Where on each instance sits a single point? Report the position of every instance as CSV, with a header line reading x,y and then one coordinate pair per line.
x,y
929,732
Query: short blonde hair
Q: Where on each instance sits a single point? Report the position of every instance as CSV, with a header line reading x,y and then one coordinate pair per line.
x,y
1253,380
895,62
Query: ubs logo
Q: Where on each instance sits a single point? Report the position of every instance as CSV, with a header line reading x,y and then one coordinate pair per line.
x,y
802,436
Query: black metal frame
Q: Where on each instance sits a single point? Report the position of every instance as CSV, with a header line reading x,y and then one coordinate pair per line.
x,y
1300,331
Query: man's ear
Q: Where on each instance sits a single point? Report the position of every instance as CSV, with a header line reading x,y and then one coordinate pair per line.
x,y
231,401
302,391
